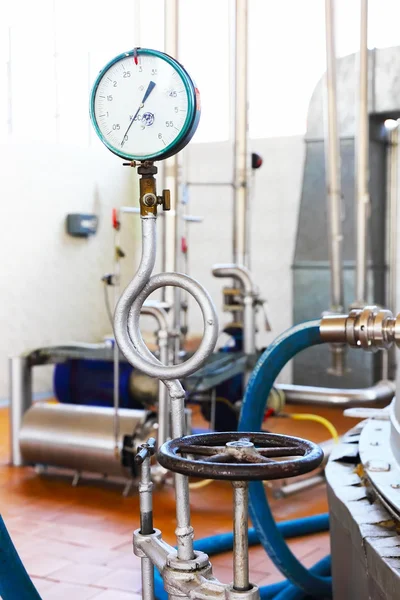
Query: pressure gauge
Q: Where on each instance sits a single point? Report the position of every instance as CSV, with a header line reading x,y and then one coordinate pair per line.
x,y
144,105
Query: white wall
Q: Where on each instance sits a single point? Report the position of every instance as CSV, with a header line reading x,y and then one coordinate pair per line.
x,y
50,285
274,213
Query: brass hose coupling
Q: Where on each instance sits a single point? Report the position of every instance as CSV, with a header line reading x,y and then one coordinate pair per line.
x,y
370,328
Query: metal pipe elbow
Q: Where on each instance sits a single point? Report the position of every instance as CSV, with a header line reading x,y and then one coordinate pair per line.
x,y
238,272
152,309
378,395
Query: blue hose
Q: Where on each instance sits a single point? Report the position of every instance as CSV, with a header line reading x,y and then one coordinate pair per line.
x,y
14,580
276,356
287,591
223,542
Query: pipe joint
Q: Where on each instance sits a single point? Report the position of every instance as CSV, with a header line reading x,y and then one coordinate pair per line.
x,y
370,328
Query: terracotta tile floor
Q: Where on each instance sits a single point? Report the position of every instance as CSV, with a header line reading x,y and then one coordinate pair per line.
x,y
76,542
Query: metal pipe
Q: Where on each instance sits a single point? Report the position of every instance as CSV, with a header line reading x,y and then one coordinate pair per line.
x,y
128,336
146,497
21,401
137,23
389,362
332,158
171,221
380,394
240,536
241,154
361,162
333,184
147,569
243,275
162,339
393,186
117,292
289,489
146,526
238,272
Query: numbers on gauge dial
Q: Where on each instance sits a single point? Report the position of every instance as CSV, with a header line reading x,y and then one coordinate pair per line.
x,y
141,108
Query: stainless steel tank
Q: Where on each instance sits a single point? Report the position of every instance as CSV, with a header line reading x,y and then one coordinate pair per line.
x,y
81,437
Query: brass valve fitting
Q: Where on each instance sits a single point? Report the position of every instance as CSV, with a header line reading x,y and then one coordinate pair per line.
x,y
148,195
370,328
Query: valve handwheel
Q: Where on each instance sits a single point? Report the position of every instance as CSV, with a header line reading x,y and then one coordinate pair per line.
x,y
243,456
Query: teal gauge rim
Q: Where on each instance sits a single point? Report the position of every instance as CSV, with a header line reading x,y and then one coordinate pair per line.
x,y
192,117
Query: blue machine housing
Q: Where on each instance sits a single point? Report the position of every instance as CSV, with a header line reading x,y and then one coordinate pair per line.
x,y
90,383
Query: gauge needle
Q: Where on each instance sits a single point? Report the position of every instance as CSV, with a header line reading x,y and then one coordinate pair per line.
x,y
147,93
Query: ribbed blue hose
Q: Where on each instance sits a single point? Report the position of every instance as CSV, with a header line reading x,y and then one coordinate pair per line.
x,y
276,356
15,582
223,542
287,591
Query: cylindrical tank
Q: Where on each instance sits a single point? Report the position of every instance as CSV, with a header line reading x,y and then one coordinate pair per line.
x,y
81,437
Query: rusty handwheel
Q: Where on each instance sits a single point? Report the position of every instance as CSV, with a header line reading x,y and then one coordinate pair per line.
x,y
240,456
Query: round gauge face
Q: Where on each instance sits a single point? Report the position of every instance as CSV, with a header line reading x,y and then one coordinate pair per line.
x,y
144,105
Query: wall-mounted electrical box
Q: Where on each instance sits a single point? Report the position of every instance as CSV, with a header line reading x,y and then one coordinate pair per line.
x,y
81,225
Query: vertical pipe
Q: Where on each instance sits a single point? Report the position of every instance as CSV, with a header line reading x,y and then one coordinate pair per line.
x,y
137,23
389,365
9,85
163,396
171,221
362,167
20,401
240,536
393,189
213,410
146,526
332,158
333,183
241,154
55,69
117,285
147,569
184,530
249,325
249,333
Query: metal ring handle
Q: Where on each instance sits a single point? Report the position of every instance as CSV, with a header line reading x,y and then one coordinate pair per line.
x,y
210,333
127,314
240,456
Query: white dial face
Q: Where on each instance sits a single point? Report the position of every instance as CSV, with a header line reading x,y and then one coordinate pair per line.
x,y
141,105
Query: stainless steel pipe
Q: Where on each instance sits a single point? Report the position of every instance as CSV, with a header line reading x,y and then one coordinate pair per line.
x,y
160,315
20,378
289,489
362,163
130,341
241,580
379,395
332,160
389,362
241,153
393,198
171,171
250,292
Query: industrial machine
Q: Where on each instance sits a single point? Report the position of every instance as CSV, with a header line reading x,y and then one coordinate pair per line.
x,y
235,456
363,470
